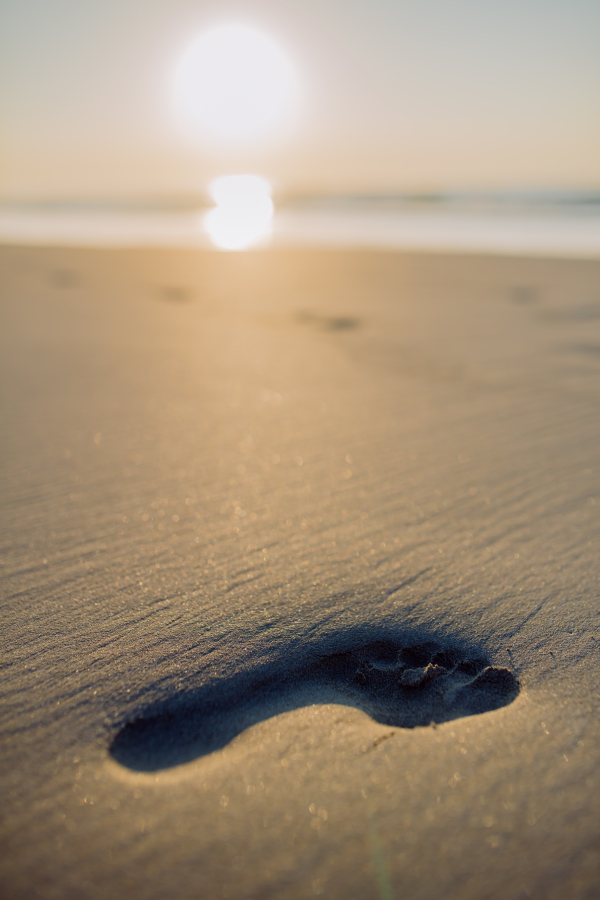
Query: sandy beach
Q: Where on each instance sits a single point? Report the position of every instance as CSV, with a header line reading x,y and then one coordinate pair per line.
x,y
300,575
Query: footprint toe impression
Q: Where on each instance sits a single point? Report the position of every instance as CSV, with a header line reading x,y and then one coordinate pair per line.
x,y
397,684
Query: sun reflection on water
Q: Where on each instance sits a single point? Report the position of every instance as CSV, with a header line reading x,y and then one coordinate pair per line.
x,y
243,211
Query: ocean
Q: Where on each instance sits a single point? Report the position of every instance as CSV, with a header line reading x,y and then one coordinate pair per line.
x,y
540,224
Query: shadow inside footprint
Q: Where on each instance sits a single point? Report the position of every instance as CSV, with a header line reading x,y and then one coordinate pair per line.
x,y
401,684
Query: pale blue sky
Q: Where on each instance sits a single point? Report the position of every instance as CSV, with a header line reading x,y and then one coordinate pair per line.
x,y
418,95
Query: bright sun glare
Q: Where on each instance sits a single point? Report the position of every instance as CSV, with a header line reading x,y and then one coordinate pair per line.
x,y
234,85
243,211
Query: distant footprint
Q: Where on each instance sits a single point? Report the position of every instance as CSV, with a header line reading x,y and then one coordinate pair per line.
x,y
327,323
175,294
396,684
64,279
524,294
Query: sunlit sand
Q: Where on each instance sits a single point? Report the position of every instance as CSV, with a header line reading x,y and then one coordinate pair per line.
x,y
301,574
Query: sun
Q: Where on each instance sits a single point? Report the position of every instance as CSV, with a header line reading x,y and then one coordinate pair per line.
x,y
234,85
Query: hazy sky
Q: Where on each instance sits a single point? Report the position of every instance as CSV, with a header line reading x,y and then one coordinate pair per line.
x,y
414,95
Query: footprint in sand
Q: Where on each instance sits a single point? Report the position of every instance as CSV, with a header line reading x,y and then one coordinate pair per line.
x,y
175,294
327,323
402,685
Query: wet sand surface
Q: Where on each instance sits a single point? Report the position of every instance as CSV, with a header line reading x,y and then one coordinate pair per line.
x,y
300,575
